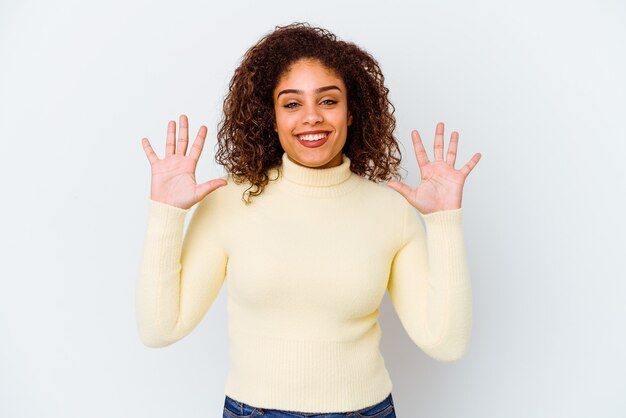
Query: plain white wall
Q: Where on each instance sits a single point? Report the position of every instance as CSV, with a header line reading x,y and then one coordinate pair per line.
x,y
537,87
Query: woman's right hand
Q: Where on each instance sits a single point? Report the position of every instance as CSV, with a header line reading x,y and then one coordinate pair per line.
x,y
173,178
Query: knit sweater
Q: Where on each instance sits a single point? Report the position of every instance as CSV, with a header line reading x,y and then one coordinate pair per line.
x,y
306,266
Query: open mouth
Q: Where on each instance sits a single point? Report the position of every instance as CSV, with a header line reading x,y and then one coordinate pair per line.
x,y
313,140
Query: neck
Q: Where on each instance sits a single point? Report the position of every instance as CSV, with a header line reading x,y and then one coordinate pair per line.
x,y
322,182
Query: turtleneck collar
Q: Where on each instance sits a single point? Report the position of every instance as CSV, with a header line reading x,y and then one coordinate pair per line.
x,y
321,182
316,177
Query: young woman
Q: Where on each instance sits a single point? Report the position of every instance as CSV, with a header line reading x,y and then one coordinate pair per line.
x,y
305,235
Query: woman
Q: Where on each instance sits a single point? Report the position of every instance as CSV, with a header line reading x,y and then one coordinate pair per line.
x,y
308,132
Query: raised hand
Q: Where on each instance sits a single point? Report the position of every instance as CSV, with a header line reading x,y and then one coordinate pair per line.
x,y
173,178
441,187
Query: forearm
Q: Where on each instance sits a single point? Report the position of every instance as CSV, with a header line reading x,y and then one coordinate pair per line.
x,y
448,299
430,285
158,283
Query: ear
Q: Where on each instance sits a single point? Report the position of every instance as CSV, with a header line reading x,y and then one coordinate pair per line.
x,y
349,119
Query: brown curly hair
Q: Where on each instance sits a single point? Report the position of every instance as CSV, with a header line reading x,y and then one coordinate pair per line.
x,y
248,145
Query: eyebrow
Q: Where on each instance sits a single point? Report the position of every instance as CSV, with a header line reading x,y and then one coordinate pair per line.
x,y
321,89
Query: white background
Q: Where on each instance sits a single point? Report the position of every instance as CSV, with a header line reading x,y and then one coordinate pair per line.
x,y
537,87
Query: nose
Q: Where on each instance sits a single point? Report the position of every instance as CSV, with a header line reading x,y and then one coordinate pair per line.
x,y
312,115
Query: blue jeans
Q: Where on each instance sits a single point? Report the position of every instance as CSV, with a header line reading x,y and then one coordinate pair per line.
x,y
236,409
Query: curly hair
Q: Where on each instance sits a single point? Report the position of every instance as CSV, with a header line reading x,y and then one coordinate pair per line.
x,y
248,146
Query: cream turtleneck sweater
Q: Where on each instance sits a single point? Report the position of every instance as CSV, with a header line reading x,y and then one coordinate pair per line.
x,y
306,266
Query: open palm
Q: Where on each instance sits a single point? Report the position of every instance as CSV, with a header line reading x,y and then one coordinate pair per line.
x,y
441,187
173,178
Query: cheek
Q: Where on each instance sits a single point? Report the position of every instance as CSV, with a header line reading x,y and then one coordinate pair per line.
x,y
284,122
342,119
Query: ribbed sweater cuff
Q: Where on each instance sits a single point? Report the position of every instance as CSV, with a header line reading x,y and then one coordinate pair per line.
x,y
165,230
164,210
158,282
446,248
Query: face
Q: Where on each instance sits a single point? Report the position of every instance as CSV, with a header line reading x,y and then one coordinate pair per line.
x,y
312,118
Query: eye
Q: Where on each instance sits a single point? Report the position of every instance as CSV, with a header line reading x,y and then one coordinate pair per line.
x,y
329,101
289,105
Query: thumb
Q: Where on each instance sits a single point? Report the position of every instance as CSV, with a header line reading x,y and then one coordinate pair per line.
x,y
207,187
401,188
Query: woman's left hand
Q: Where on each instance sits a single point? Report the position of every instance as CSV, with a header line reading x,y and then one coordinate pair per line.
x,y
441,187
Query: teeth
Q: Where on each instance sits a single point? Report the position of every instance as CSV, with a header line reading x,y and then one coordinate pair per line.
x,y
313,137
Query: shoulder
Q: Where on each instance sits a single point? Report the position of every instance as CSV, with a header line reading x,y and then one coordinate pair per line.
x,y
387,208
218,198
384,203
233,187
231,197
382,194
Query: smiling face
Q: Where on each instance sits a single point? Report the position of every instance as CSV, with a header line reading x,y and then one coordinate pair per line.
x,y
312,118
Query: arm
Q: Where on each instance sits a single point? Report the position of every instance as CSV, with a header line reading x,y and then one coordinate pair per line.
x,y
178,278
429,285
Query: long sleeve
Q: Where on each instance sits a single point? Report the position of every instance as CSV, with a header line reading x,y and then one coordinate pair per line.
x,y
179,278
429,284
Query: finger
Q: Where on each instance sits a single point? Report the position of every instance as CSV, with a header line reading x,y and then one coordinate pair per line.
x,y
451,155
198,144
467,168
439,142
170,142
420,152
183,135
147,148
401,188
